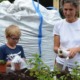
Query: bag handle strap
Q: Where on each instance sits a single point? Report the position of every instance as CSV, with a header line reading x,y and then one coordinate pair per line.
x,y
40,26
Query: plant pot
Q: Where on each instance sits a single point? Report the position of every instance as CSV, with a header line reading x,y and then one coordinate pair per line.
x,y
2,68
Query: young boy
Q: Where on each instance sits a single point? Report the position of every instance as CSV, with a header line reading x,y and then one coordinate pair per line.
x,y
13,35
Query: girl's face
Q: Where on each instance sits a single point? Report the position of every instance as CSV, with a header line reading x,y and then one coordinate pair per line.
x,y
69,12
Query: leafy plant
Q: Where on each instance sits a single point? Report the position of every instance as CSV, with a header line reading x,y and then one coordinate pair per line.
x,y
2,0
40,70
2,62
75,73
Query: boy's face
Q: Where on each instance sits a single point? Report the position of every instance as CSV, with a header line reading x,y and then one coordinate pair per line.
x,y
13,40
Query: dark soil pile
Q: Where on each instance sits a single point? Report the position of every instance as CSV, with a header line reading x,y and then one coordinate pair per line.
x,y
17,75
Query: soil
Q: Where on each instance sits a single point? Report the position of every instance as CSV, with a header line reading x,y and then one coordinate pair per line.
x,y
25,75
17,75
66,76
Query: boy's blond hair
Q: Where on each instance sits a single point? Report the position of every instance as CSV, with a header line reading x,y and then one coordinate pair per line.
x,y
12,30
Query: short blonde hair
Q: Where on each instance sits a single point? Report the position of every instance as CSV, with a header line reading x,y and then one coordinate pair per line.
x,y
12,30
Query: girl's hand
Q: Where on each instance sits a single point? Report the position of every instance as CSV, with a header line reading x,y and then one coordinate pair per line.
x,y
73,52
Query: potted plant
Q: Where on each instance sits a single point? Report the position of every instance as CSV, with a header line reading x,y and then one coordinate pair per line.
x,y
2,66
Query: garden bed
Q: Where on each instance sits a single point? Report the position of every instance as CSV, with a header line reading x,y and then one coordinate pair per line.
x,y
16,76
22,75
40,71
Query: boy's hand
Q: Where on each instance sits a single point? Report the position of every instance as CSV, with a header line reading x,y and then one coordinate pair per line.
x,y
8,63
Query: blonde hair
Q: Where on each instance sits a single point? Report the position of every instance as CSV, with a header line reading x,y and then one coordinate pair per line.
x,y
12,30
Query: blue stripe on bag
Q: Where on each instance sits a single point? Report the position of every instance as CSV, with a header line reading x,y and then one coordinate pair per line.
x,y
40,27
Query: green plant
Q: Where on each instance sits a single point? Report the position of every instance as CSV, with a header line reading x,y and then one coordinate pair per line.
x,y
75,73
40,70
2,62
2,0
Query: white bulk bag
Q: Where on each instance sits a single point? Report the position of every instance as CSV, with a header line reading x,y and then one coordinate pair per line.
x,y
24,14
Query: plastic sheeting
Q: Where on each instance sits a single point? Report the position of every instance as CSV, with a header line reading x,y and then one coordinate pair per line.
x,y
23,14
